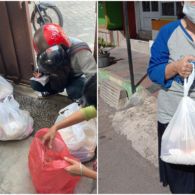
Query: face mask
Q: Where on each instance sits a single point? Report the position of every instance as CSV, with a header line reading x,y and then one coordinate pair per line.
x,y
189,11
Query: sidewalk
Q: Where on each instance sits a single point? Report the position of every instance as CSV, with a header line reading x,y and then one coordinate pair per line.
x,y
128,159
121,167
120,70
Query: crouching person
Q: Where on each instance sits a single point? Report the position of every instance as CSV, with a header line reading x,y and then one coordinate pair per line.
x,y
63,62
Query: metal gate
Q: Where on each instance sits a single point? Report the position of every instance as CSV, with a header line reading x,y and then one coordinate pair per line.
x,y
16,50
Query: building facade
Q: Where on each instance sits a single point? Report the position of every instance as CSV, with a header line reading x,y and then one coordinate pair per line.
x,y
145,18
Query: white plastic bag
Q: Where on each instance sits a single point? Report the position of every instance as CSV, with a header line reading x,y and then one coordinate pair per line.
x,y
81,138
15,124
6,88
178,140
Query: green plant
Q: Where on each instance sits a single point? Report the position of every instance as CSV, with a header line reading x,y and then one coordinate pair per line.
x,y
102,44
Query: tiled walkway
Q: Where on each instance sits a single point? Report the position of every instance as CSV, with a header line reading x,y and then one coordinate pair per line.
x,y
121,67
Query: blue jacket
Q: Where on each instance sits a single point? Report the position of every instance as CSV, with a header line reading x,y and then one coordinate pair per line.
x,y
160,54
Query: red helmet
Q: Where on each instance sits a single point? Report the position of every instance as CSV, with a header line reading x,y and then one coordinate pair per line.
x,y
49,35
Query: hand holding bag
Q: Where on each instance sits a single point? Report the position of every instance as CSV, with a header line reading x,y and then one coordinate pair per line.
x,y
47,166
81,138
178,140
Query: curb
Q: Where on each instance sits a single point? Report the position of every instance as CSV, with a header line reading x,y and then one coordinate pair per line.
x,y
125,84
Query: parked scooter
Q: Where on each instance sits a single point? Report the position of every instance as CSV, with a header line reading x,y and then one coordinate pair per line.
x,y
45,12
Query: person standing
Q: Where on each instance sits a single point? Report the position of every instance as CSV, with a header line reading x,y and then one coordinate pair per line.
x,y
170,62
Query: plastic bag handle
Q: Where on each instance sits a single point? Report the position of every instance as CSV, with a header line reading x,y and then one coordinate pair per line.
x,y
62,111
189,81
11,101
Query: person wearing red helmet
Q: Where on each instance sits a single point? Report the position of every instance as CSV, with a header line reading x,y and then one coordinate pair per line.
x,y
63,62
49,35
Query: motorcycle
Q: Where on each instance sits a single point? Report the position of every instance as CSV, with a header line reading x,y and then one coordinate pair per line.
x,y
45,12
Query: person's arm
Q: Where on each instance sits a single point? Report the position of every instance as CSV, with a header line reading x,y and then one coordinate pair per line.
x,y
74,118
77,117
37,74
159,60
181,67
84,62
89,112
76,168
160,70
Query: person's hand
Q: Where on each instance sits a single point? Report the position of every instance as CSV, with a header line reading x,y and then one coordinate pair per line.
x,y
49,136
76,168
183,66
37,74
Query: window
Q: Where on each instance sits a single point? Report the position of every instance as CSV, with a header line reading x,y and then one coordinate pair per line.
x,y
171,8
154,6
168,9
146,6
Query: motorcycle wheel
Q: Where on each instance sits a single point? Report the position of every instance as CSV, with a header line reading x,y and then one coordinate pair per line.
x,y
55,10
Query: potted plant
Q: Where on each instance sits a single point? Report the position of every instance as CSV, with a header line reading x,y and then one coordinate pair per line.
x,y
103,53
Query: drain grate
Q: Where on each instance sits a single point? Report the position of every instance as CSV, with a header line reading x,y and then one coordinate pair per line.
x,y
113,94
43,111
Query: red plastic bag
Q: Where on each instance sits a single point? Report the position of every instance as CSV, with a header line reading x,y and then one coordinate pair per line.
x,y
47,166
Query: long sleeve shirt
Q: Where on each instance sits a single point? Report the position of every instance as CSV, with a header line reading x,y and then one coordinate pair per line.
x,y
172,43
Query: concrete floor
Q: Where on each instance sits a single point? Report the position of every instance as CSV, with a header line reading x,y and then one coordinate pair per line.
x,y
121,168
120,68
127,145
14,173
